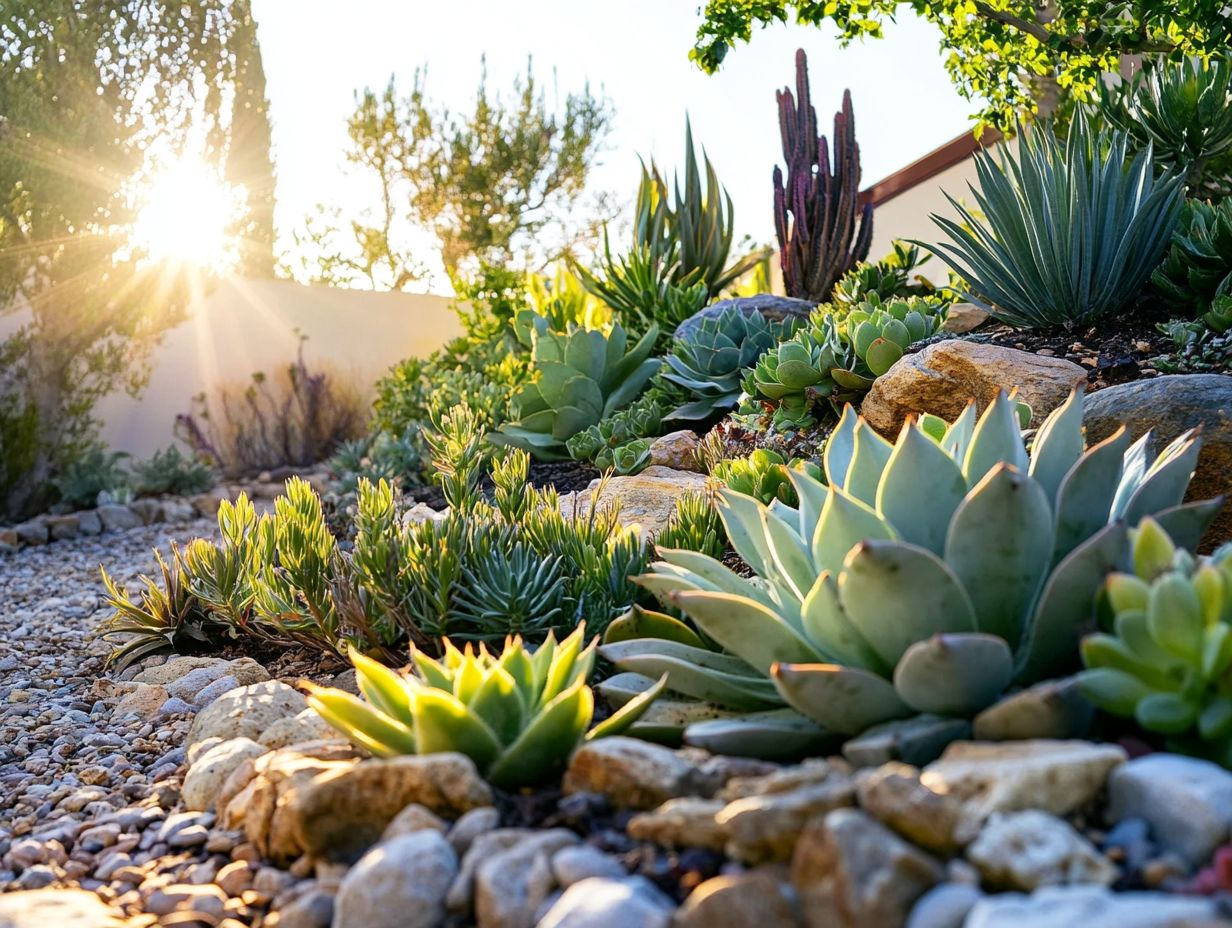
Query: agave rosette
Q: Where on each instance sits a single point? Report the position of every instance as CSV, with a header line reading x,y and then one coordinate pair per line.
x,y
518,714
931,575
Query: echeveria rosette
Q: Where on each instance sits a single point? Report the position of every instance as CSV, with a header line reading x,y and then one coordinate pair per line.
x,y
579,378
1167,659
929,576
518,714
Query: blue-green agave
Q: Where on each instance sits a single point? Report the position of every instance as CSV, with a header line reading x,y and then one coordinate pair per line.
x,y
931,575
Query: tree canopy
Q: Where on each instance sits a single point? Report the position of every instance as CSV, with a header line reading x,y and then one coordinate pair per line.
x,y
997,50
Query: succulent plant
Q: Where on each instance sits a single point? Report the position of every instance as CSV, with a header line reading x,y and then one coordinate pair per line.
x,y
816,209
887,279
710,360
578,378
930,576
1072,227
1197,270
839,355
762,475
1168,660
640,420
518,715
695,526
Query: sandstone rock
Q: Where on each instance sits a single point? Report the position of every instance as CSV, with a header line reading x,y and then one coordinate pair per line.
x,y
632,774
894,795
210,771
207,669
116,518
1171,405
342,811
676,451
296,729
511,885
33,532
1094,907
1027,850
88,523
647,499
944,376
809,773
144,701
412,819
247,711
422,512
578,862
398,884
46,908
250,796
773,308
1051,709
684,822
206,504
964,317
1054,776
850,871
944,906
1186,801
147,510
631,902
63,527
9,539
766,827
756,897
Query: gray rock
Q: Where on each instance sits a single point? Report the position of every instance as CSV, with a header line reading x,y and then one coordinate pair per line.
x,y
296,729
211,691
774,308
63,527
1186,801
177,511
632,774
1094,907
116,518
1171,405
88,522
1027,850
398,884
944,906
412,819
632,902
511,885
147,510
581,862
471,825
33,532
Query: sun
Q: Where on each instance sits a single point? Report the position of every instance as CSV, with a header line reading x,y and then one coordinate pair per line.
x,y
185,217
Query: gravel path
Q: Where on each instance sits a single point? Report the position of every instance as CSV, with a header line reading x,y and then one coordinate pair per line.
x,y
85,793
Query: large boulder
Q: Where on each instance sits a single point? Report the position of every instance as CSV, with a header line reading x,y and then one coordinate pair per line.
x,y
647,499
943,377
774,308
1171,405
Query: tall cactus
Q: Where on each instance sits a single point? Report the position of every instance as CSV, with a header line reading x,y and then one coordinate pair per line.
x,y
815,211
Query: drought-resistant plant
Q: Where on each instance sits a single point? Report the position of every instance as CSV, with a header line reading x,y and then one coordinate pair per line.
x,y
694,525
886,279
1167,661
639,285
90,474
1073,227
762,475
172,471
1197,270
518,714
601,444
816,209
1182,111
1198,347
711,358
577,379
839,355
929,576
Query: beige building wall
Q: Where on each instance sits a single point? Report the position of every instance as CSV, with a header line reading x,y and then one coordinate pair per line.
x,y
245,326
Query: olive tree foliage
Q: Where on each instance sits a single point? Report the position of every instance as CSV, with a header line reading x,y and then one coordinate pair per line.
x,y
85,87
999,53
505,183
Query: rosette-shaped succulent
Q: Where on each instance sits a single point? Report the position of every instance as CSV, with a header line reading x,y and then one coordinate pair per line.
x,y
710,360
1198,267
1168,661
577,378
518,715
930,576
880,332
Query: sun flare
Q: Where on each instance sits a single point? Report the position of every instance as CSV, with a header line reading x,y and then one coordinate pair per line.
x,y
186,218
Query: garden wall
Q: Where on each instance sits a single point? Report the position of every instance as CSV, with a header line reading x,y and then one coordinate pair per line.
x,y
246,326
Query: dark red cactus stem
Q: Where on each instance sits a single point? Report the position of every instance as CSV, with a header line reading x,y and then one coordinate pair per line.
x,y
816,206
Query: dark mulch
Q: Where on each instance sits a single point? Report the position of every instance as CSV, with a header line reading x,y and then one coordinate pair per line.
x,y
566,476
1116,349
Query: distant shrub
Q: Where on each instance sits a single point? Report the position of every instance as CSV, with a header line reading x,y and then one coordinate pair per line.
x,y
84,478
171,471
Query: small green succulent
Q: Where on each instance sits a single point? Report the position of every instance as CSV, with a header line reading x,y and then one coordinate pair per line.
x,y
888,278
1168,661
518,715
930,576
598,444
710,360
695,526
578,378
762,475
1197,269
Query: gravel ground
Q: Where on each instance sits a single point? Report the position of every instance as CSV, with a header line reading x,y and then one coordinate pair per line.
x,y
85,794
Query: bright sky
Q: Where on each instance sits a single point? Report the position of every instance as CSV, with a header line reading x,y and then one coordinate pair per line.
x,y
317,53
